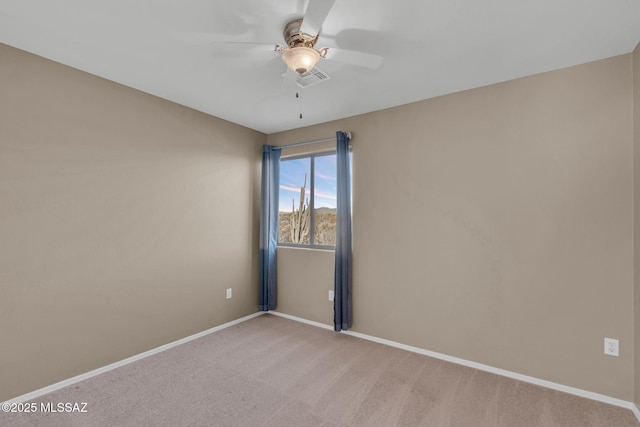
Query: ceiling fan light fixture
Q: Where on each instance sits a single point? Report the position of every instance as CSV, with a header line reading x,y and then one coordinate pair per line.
x,y
301,59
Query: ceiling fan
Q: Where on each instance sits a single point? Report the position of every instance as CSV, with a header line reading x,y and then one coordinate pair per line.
x,y
301,36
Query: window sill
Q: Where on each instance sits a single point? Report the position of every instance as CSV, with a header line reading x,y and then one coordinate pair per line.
x,y
306,248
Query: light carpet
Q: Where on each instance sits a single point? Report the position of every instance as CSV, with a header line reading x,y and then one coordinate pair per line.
x,y
270,371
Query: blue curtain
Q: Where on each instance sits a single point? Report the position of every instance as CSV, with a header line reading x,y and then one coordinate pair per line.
x,y
342,296
269,226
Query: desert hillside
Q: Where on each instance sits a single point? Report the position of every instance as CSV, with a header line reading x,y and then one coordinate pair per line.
x,y
324,224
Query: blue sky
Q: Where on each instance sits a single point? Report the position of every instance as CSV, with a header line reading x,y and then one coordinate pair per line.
x,y
292,178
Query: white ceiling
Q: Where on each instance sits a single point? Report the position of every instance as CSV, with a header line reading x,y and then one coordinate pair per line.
x,y
430,48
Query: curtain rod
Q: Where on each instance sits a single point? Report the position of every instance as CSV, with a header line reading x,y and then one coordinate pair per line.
x,y
315,141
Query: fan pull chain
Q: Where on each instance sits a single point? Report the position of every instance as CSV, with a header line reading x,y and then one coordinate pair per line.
x,y
300,102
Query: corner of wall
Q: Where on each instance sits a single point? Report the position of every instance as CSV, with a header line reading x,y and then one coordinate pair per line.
x,y
636,225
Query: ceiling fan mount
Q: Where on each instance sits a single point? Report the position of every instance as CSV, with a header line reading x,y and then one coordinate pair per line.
x,y
294,37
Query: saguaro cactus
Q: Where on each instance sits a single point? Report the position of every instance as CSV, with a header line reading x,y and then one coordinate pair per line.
x,y
301,219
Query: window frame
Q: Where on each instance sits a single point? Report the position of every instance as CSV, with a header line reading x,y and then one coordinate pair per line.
x,y
311,157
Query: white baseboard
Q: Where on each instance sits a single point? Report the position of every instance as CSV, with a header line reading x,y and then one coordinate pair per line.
x,y
514,375
301,320
636,411
86,375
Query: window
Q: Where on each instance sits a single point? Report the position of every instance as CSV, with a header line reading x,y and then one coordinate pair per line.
x,y
308,201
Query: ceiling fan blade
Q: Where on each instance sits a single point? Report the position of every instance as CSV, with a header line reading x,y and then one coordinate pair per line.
x,y
352,57
211,38
314,17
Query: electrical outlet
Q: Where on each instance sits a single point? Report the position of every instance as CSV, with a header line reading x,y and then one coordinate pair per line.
x,y
611,347
331,295
229,293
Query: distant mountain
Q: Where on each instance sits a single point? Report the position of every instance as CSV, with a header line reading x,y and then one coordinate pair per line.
x,y
325,211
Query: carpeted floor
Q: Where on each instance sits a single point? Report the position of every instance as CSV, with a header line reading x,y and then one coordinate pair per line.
x,y
271,371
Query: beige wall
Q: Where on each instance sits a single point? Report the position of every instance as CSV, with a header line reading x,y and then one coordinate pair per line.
x,y
305,278
496,225
123,219
636,217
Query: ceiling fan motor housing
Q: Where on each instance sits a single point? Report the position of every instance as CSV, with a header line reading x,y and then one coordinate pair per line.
x,y
296,38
